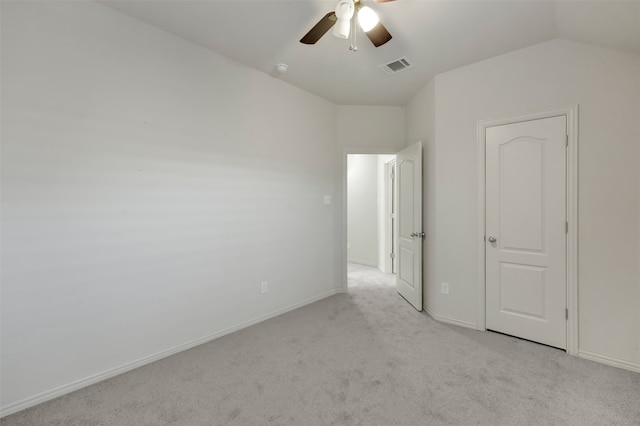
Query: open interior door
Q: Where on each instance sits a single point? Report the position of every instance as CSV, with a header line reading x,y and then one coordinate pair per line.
x,y
409,223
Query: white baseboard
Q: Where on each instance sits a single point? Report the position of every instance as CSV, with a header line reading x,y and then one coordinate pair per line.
x,y
451,321
362,262
592,356
30,401
608,360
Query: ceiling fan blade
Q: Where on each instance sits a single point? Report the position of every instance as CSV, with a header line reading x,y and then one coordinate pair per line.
x,y
378,35
319,29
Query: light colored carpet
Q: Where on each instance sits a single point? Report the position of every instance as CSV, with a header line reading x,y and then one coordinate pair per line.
x,y
367,276
362,358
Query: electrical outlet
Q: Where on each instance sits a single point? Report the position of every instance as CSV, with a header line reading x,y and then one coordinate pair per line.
x,y
444,288
264,287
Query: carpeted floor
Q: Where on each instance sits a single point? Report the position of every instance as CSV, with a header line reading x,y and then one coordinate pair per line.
x,y
367,276
361,358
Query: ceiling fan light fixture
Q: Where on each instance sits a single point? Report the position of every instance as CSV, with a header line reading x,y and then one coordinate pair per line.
x,y
367,18
341,20
344,13
341,28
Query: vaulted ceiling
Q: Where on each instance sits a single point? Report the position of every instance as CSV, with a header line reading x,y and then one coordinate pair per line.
x,y
435,36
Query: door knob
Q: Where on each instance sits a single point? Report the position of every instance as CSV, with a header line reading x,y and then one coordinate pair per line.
x,y
492,239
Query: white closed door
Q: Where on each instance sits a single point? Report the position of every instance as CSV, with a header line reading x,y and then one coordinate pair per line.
x,y
526,230
409,224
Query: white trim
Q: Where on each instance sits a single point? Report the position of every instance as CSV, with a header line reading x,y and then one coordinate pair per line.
x,y
362,262
481,138
14,407
571,113
345,153
452,321
572,237
614,362
388,210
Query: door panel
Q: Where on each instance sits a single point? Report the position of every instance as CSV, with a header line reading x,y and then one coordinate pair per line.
x,y
522,220
406,274
523,290
526,214
409,180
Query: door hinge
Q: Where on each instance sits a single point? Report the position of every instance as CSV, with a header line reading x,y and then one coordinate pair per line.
x,y
566,140
566,313
566,227
392,175
392,255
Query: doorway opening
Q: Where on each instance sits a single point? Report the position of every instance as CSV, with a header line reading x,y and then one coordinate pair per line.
x,y
370,220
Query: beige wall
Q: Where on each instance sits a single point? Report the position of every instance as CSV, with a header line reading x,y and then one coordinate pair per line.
x,y
148,187
606,86
371,127
362,209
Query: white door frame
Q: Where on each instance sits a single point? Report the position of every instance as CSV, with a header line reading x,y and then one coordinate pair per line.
x,y
345,153
571,114
389,222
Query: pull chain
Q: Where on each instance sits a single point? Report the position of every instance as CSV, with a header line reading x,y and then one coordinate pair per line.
x,y
354,35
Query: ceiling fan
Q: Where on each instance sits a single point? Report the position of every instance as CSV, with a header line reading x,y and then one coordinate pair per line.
x,y
341,20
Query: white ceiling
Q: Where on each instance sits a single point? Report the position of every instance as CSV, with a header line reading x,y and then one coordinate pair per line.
x,y
434,35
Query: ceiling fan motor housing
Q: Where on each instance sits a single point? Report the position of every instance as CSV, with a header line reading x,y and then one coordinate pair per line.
x,y
345,9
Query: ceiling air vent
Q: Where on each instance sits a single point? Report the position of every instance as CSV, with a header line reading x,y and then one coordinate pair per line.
x,y
396,66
